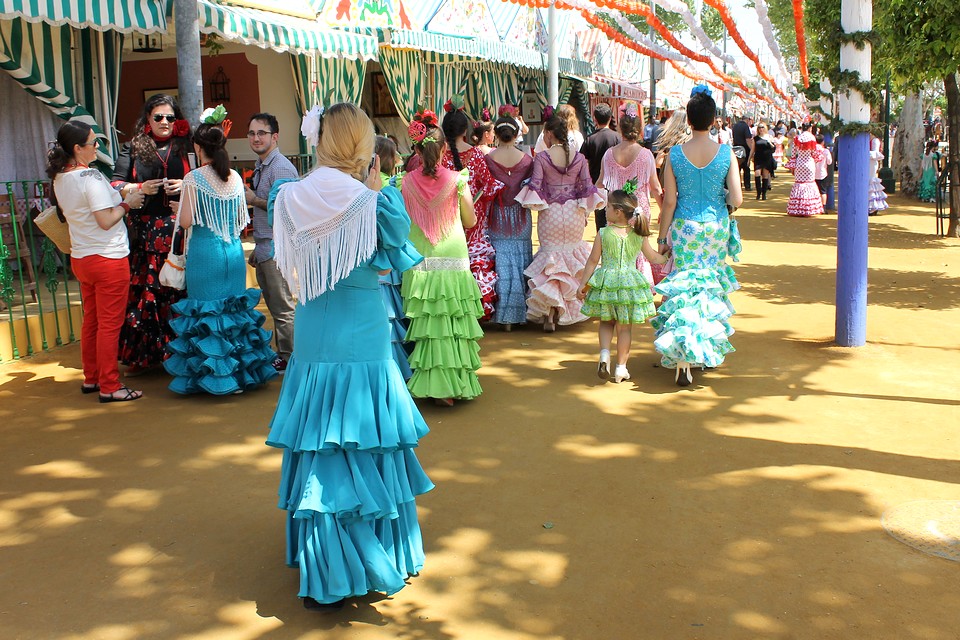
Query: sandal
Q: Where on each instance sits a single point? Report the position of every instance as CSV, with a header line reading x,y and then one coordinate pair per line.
x,y
443,402
129,394
89,388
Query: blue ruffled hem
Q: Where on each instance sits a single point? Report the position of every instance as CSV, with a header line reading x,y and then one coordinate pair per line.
x,y
349,477
691,324
353,405
220,346
393,301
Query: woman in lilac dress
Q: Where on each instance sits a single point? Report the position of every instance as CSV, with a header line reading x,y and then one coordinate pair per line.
x,y
509,226
561,190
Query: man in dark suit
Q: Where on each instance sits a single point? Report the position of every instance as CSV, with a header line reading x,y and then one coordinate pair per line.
x,y
743,138
595,146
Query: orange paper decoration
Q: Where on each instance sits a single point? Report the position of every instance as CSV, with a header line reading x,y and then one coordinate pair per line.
x,y
801,40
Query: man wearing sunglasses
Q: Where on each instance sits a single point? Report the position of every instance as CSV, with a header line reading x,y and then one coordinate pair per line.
x,y
263,134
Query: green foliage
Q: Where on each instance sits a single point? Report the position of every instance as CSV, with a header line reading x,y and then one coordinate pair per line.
x,y
917,41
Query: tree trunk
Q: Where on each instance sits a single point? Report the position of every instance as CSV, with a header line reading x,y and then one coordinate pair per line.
x,y
953,157
908,145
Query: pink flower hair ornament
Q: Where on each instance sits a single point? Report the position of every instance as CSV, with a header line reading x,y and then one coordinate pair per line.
x,y
548,112
485,115
507,110
629,109
417,131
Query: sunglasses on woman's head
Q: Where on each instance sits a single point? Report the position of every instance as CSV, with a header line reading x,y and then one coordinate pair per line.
x,y
169,117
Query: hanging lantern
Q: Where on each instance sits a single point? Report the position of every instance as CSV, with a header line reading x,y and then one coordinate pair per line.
x,y
220,87
147,43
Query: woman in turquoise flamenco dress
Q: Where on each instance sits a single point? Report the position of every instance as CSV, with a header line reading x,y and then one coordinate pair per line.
x,y
220,346
700,181
440,296
930,167
344,419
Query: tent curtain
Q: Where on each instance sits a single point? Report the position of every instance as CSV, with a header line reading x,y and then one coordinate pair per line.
x,y
39,57
404,72
573,92
450,80
317,79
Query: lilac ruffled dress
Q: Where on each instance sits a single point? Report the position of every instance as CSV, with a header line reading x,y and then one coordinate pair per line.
x,y
563,196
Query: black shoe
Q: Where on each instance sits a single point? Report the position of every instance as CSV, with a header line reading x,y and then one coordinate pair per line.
x,y
280,365
310,603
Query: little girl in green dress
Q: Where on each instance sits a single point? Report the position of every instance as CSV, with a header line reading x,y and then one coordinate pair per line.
x,y
617,293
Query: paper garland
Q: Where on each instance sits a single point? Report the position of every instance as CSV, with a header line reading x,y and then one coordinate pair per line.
x,y
801,41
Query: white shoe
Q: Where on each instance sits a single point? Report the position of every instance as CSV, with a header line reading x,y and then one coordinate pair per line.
x,y
621,373
603,367
684,377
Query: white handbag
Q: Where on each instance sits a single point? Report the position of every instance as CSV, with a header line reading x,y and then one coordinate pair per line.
x,y
173,273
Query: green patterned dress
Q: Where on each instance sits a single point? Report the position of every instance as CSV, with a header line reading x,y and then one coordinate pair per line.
x,y
618,291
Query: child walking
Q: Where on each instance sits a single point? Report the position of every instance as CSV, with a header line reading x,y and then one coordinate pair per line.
x,y
617,293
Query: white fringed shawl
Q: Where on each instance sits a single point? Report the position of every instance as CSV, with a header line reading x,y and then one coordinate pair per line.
x,y
217,205
324,226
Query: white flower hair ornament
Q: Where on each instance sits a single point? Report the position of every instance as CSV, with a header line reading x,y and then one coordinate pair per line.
x,y
216,116
312,125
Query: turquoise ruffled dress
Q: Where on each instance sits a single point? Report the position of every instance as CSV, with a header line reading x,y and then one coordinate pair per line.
x,y
692,322
221,347
348,428
618,290
393,300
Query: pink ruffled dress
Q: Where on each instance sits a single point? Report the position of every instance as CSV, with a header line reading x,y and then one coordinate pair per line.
x,y
485,189
616,175
804,196
562,196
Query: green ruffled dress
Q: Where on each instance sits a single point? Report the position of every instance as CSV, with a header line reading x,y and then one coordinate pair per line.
x,y
442,300
618,290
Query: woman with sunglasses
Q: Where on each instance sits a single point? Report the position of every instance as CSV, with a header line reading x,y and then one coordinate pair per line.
x,y
154,163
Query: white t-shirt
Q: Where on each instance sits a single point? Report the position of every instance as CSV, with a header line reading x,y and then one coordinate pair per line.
x,y
80,193
574,140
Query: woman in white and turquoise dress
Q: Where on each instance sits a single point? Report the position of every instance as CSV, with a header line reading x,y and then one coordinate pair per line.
x,y
344,420
700,180
220,346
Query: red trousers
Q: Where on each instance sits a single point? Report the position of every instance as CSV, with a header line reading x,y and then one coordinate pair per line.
x,y
104,285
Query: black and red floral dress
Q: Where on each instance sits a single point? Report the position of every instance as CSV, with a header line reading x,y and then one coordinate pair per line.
x,y
146,327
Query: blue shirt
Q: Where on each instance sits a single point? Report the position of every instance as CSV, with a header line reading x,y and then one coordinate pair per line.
x,y
274,167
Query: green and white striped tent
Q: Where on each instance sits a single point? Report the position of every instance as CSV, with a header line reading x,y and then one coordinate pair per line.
x,y
66,53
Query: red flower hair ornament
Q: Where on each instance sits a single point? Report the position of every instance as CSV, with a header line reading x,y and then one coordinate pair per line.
x,y
421,123
507,110
454,103
548,112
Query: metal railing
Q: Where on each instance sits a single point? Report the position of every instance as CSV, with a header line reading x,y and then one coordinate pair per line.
x,y
26,258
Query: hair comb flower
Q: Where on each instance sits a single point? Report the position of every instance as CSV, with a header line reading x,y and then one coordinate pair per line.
x,y
629,109
312,125
507,110
701,88
630,187
214,116
548,112
485,115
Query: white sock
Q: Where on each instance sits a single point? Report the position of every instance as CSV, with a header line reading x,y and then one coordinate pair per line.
x,y
605,354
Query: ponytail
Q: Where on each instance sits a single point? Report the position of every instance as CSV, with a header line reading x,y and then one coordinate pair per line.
x,y
455,124
431,151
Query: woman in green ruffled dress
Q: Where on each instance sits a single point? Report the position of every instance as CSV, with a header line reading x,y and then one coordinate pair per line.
x,y
440,295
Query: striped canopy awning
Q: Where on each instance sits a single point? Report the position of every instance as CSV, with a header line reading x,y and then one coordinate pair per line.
x,y
626,90
125,16
282,33
473,50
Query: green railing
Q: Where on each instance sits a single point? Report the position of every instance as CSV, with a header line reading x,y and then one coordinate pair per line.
x,y
26,258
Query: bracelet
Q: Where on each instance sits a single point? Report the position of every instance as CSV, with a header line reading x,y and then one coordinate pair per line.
x,y
661,241
125,207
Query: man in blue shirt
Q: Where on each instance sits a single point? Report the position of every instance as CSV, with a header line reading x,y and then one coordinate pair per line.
x,y
263,135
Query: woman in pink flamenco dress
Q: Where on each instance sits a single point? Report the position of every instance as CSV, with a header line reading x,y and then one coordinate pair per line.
x,y
640,166
561,191
460,155
805,195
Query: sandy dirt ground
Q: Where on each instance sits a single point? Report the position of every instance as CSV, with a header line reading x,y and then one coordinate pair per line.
x,y
746,506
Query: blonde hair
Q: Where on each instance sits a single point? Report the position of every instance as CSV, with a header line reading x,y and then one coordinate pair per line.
x,y
674,132
347,140
569,114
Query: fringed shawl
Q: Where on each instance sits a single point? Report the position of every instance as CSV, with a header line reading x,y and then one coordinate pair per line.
x,y
433,203
216,205
324,227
